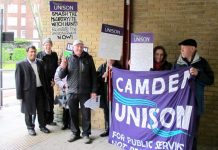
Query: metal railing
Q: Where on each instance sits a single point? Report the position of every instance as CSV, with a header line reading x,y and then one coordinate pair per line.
x,y
4,80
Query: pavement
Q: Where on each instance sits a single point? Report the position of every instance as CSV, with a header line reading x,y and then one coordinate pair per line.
x,y
14,135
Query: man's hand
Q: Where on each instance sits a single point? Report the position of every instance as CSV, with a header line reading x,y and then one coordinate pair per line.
x,y
105,75
93,95
193,71
63,63
52,83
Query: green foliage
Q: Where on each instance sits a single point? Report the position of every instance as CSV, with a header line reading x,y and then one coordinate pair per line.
x,y
5,55
19,54
9,65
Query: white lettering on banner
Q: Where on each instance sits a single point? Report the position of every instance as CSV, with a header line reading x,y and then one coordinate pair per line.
x,y
139,143
162,85
158,85
118,136
141,88
141,116
169,146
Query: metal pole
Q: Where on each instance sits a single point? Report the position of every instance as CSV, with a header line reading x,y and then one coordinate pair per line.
x,y
1,25
127,31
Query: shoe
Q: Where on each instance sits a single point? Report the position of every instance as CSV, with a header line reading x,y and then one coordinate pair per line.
x,y
45,130
104,134
86,140
64,128
73,138
52,124
32,132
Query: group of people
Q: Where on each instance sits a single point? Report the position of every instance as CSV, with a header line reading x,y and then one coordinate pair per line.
x,y
34,78
77,76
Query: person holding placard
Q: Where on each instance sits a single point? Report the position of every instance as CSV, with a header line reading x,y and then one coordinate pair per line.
x,y
102,75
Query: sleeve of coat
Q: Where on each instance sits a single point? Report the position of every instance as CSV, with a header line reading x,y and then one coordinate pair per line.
x,y
19,81
58,80
206,75
94,75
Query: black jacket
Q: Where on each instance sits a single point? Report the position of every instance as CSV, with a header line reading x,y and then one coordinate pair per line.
x,y
205,77
102,85
81,74
50,63
164,66
26,85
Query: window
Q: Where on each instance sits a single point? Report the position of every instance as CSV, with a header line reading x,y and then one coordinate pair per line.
x,y
35,34
23,34
12,21
15,32
23,21
1,6
23,9
36,44
12,8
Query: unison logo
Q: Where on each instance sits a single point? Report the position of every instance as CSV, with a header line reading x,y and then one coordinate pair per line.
x,y
129,110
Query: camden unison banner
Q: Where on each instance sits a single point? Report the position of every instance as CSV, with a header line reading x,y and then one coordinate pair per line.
x,y
152,110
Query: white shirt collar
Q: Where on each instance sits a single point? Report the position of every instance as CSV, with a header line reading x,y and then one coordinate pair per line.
x,y
34,62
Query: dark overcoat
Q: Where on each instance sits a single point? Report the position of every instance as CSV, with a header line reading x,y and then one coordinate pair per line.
x,y
25,79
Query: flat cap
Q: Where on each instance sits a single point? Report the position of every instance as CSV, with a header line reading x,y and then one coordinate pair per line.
x,y
189,42
77,42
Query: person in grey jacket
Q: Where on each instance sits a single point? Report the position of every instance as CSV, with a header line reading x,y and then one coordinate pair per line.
x,y
201,72
82,85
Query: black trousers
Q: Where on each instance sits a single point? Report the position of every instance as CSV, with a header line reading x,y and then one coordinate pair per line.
x,y
49,115
194,146
66,117
74,100
106,115
40,111
104,103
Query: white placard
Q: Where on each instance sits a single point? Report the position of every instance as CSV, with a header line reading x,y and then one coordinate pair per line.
x,y
141,52
111,42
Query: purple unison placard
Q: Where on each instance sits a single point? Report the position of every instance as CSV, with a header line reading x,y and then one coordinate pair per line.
x,y
112,29
142,38
152,110
63,6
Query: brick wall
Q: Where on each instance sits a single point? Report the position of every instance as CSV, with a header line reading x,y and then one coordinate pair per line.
x,y
171,21
91,15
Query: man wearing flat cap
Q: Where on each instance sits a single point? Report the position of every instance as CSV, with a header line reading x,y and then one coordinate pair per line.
x,y
82,85
202,73
50,60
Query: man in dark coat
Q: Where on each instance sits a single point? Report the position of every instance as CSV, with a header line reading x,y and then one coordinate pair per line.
x,y
82,85
31,90
202,73
102,73
50,60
